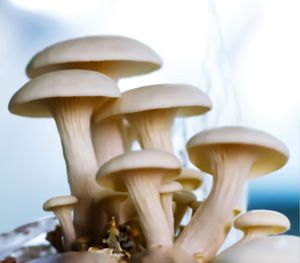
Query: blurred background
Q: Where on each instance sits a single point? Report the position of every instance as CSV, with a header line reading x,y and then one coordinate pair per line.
x,y
243,53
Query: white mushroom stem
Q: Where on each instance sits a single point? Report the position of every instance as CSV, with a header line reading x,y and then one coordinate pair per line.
x,y
127,211
253,233
167,204
143,190
205,232
153,128
108,139
72,116
65,219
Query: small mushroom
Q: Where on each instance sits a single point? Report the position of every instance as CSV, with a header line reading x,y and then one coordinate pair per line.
x,y
62,207
275,249
141,174
150,110
190,179
70,97
166,195
231,155
261,223
182,199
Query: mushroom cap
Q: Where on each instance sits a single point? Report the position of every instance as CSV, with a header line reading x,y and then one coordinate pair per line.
x,y
145,162
170,187
187,99
275,249
190,177
271,153
271,221
105,194
121,55
60,201
31,101
184,197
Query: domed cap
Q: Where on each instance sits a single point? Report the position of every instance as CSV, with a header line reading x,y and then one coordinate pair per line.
x,y
271,221
187,99
121,56
147,162
275,249
190,179
60,201
31,101
271,153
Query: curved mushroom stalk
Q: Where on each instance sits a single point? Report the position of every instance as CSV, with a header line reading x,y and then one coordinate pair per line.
x,y
205,232
153,128
231,155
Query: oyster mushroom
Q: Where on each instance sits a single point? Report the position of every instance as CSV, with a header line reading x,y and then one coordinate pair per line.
x,y
231,155
275,249
70,97
261,223
62,207
150,110
166,195
141,174
114,56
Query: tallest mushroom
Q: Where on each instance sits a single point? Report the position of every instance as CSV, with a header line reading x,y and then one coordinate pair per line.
x,y
114,56
70,97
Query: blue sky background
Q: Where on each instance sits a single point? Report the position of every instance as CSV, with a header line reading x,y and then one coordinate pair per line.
x,y
244,53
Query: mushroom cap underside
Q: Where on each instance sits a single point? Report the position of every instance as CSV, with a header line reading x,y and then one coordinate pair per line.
x,y
271,154
33,98
121,56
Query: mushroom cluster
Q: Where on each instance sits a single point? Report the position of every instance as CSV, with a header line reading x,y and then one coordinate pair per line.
x,y
128,205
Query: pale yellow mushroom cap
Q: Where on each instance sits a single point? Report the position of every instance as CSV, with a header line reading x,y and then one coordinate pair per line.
x,y
186,99
271,221
106,194
60,201
145,162
271,153
190,178
32,99
121,56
